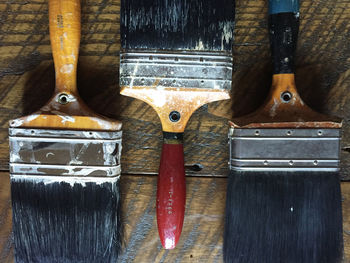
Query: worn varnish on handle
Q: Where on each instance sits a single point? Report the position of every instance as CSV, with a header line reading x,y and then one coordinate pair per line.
x,y
176,56
66,110
65,165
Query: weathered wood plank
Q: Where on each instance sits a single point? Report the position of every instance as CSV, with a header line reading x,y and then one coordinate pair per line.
x,y
6,238
27,77
201,239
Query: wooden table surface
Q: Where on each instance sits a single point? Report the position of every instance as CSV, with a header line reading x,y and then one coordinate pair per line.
x,y
27,81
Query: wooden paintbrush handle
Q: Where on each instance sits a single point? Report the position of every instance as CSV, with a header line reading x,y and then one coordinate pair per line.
x,y
64,17
65,109
284,108
283,31
171,191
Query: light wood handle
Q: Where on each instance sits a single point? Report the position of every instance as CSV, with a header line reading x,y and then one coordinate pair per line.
x,y
65,109
64,21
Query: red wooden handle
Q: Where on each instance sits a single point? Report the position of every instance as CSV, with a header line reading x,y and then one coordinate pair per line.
x,y
171,195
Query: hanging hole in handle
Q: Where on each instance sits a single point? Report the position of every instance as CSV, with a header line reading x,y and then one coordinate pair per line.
x,y
63,98
286,96
174,116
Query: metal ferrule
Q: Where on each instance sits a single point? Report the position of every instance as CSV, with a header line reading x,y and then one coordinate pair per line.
x,y
64,153
207,70
284,149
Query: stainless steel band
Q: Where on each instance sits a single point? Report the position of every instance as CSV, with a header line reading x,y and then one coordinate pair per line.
x,y
207,70
284,149
65,152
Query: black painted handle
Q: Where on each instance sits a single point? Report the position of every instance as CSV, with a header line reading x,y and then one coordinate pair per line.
x,y
283,31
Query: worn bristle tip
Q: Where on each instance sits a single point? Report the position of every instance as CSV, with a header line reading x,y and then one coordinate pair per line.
x,y
177,25
64,222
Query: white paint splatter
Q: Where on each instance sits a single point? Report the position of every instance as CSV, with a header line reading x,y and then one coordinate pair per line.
x,y
49,154
274,108
133,75
16,123
159,98
75,162
169,243
64,116
45,108
227,35
199,45
32,117
103,124
67,68
71,56
110,148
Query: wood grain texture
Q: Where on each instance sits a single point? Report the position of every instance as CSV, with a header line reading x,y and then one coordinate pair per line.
x,y
6,236
201,239
27,77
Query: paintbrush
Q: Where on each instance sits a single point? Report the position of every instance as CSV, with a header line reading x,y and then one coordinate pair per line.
x,y
283,195
176,56
64,165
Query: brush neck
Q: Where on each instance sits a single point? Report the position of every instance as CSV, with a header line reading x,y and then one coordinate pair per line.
x,y
283,31
173,137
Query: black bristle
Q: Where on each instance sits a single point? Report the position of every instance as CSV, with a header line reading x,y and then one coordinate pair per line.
x,y
57,222
289,217
177,24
